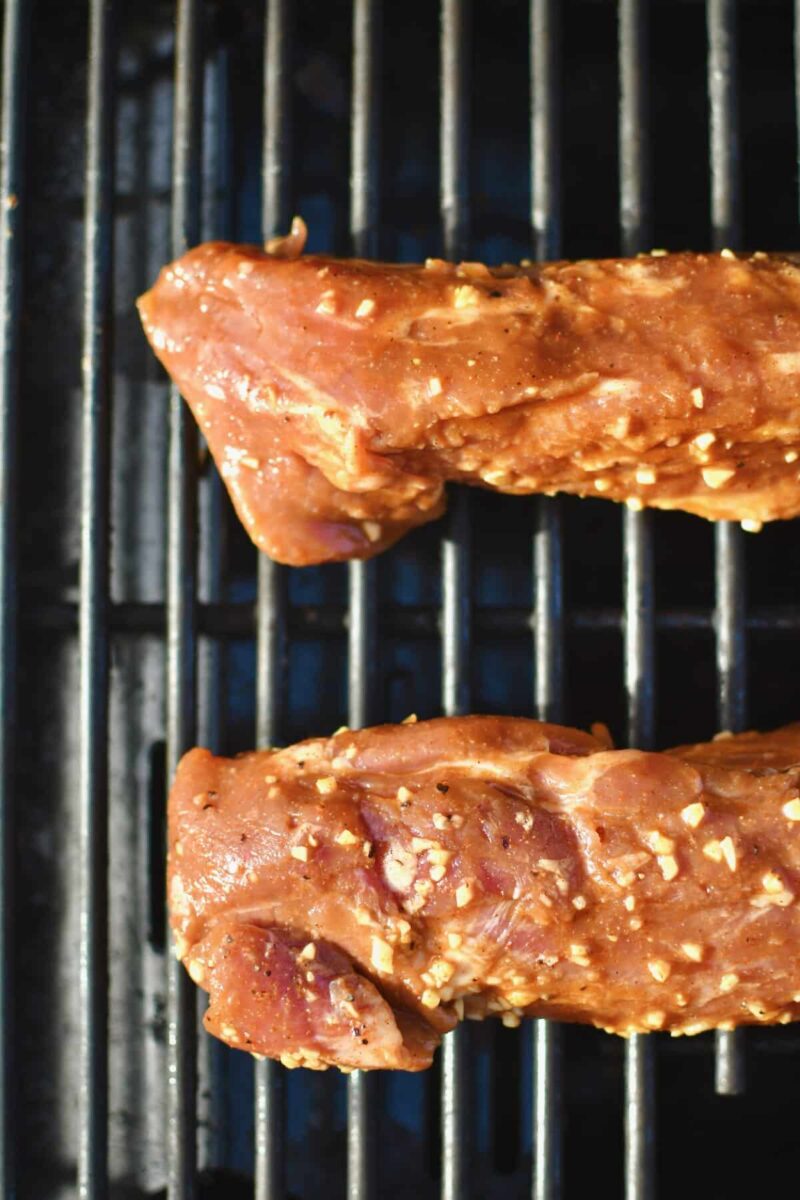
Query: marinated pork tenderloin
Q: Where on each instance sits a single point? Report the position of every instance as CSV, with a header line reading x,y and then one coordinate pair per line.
x,y
347,900
338,396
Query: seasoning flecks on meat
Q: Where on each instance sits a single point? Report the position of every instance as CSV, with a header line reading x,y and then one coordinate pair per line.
x,y
347,900
339,396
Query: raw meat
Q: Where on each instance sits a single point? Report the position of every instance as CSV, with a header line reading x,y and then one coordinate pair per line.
x,y
339,396
347,900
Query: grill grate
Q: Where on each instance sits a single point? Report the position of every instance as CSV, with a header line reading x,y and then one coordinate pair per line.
x,y
201,1121
16,33
547,552
725,223
93,604
638,587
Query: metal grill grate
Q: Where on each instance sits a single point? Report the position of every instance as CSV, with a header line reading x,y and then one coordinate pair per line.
x,y
117,1088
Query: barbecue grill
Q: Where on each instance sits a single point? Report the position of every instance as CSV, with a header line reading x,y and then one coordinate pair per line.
x,y
135,619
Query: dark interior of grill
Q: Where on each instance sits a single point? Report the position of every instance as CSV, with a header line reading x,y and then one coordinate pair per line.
x,y
703,625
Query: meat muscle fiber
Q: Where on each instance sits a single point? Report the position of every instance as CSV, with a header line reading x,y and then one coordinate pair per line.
x,y
347,900
339,396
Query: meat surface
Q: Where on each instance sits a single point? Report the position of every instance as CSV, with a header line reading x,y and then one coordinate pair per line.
x,y
347,900
339,396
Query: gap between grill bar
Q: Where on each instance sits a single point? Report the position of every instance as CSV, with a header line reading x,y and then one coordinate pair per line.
x,y
270,1077
639,625
547,554
729,565
456,597
181,597
16,45
92,1097
363,1086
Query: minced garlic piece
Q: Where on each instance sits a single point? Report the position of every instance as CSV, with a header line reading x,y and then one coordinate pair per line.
x,y
382,956
441,971
717,477
196,971
659,843
668,865
660,969
693,814
465,296
729,852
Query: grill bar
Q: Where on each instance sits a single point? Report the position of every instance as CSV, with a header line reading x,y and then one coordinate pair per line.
x,y
16,31
214,1116
94,584
797,76
269,1076
729,565
639,623
454,210
236,620
362,1087
547,553
181,596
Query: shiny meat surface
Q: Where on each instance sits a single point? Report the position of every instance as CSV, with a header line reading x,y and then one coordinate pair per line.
x,y
347,900
339,396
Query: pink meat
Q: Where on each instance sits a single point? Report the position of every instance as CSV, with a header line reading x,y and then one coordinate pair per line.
x,y
485,865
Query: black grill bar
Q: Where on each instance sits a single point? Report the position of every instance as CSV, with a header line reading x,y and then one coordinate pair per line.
x,y
236,620
181,595
639,623
16,30
269,1076
94,581
547,552
454,210
729,565
797,77
214,1116
362,1087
